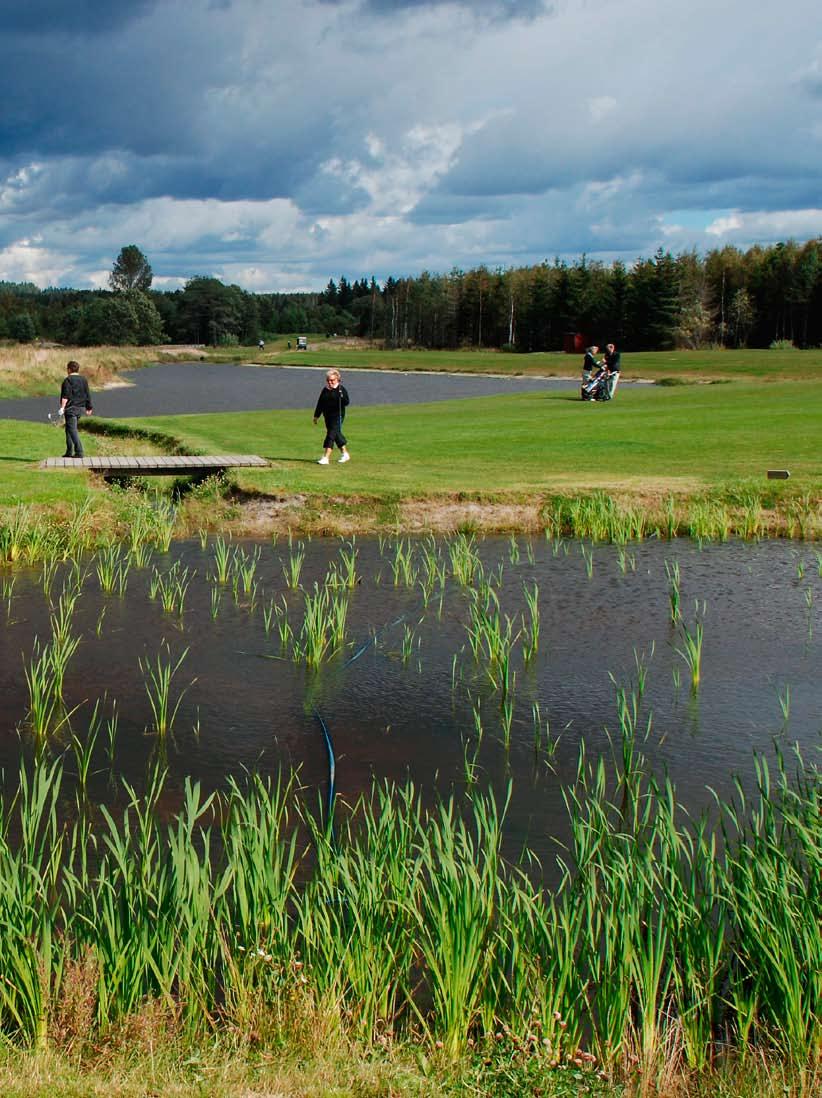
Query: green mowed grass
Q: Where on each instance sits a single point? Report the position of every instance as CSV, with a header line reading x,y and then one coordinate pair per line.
x,y
22,446
658,365
648,437
526,442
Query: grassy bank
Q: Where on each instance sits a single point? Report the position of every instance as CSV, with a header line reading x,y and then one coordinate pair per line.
x,y
148,1068
30,369
499,463
668,366
514,455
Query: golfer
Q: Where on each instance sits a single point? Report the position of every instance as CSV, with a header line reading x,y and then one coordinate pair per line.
x,y
612,364
75,399
331,405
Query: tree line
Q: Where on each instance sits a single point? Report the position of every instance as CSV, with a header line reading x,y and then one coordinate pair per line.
x,y
727,298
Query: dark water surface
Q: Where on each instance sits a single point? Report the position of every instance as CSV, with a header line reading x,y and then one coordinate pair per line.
x,y
179,388
245,707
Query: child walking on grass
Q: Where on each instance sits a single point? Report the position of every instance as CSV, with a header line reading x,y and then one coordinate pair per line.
x,y
331,405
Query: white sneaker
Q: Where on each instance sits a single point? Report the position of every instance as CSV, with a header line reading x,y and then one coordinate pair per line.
x,y
343,458
323,460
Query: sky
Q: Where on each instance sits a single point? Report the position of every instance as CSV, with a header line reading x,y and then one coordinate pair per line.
x,y
278,143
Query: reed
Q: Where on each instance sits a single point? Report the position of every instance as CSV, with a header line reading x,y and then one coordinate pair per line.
x,y
158,677
45,709
408,643
492,638
221,553
410,924
433,569
323,628
588,556
455,918
48,574
691,651
216,600
709,521
171,587
112,568
597,517
292,569
464,559
530,627
14,534
403,563
809,609
670,525
803,518
674,592
626,561
164,518
346,574
7,592
245,567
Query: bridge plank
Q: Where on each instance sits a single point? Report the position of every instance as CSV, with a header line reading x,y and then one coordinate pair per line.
x,y
157,464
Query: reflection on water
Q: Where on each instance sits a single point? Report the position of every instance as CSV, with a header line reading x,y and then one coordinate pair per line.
x,y
404,696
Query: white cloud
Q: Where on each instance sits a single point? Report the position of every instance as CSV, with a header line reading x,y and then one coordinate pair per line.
x,y
768,225
26,261
601,106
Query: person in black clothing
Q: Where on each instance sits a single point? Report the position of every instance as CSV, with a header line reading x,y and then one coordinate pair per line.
x,y
612,364
331,405
75,400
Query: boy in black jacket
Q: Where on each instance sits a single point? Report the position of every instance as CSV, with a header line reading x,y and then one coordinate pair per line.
x,y
331,405
75,399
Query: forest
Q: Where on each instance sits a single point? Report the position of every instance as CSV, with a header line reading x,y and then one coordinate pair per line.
x,y
728,297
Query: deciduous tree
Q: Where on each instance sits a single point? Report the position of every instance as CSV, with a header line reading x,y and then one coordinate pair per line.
x,y
131,270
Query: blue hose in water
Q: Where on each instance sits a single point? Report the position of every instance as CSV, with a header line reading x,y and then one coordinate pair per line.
x,y
332,772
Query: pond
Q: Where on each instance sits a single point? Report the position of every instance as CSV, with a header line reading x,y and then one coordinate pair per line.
x,y
201,387
405,696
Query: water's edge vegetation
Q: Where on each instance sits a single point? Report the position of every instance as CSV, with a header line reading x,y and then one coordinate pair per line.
x,y
672,948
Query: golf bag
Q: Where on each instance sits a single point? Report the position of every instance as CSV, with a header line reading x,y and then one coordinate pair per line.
x,y
595,386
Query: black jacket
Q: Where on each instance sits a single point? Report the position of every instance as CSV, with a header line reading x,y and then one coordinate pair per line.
x,y
331,405
76,394
612,361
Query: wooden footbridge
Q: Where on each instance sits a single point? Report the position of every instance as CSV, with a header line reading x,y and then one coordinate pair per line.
x,y
158,465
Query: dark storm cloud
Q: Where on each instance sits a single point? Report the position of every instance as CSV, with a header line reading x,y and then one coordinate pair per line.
x,y
495,9
78,17
253,138
177,109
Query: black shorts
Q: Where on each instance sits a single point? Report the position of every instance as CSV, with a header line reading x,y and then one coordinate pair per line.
x,y
333,433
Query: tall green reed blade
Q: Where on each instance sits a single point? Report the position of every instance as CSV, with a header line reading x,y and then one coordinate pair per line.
x,y
158,677
222,560
293,567
530,628
357,917
691,651
455,920
465,562
674,593
32,922
403,566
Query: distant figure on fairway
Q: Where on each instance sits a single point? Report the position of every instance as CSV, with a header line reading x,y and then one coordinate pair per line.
x,y
75,400
261,345
612,364
331,405
590,365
